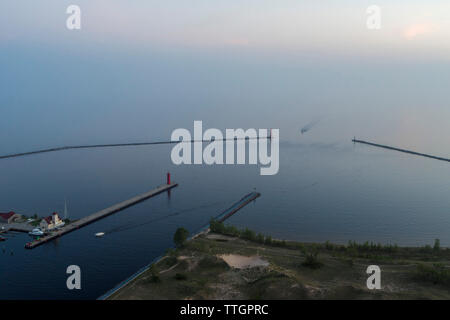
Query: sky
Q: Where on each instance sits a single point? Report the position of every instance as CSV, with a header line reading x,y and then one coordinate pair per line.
x,y
139,69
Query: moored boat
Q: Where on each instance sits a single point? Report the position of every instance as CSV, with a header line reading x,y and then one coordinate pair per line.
x,y
36,232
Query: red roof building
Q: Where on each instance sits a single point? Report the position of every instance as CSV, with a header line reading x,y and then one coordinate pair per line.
x,y
48,219
9,217
51,222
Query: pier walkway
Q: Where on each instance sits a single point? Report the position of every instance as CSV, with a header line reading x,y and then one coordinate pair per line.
x,y
99,215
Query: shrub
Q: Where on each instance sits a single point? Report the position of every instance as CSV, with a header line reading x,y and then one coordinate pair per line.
x,y
437,245
249,234
279,243
329,246
180,236
209,262
436,273
171,252
170,261
268,240
154,274
180,276
260,238
311,259
216,226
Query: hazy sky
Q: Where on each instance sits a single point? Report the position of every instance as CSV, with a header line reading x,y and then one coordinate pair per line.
x,y
139,69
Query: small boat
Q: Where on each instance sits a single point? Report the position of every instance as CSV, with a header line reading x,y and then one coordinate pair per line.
x,y
100,234
36,232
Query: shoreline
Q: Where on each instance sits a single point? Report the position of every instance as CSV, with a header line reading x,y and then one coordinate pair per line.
x,y
223,264
142,270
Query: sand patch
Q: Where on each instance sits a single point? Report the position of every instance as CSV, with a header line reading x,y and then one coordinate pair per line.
x,y
243,262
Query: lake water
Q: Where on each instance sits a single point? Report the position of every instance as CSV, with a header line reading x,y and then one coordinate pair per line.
x,y
337,192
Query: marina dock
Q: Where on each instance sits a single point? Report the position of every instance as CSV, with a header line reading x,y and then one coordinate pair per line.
x,y
99,215
401,150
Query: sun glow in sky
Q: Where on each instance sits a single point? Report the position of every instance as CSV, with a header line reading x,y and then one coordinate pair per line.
x,y
264,24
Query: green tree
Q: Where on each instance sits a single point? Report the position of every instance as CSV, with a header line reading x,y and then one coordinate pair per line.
x,y
311,258
437,245
249,234
180,236
154,274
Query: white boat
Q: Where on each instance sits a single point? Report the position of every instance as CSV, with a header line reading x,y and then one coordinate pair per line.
x,y
100,234
62,224
36,232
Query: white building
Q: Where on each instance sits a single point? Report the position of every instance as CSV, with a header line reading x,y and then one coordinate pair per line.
x,y
52,222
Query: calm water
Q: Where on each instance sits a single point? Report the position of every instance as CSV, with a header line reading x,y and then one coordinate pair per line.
x,y
335,192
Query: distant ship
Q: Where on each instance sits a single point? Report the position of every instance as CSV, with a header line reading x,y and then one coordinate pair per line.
x,y
2,239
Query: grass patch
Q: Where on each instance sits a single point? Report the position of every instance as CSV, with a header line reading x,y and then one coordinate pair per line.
x,y
180,276
168,262
311,259
437,273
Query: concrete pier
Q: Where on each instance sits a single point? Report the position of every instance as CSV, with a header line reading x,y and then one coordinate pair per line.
x,y
401,150
99,215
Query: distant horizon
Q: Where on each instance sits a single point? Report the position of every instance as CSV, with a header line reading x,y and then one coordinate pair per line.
x,y
135,72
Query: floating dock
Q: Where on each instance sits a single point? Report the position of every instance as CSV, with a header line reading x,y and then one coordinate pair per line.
x,y
400,150
99,215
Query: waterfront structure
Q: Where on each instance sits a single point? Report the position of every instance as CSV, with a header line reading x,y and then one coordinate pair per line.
x,y
51,222
9,217
97,216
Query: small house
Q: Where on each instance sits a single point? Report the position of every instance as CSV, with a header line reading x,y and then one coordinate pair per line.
x,y
9,217
51,222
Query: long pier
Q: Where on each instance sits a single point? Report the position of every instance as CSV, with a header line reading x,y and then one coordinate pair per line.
x,y
400,150
132,144
99,215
